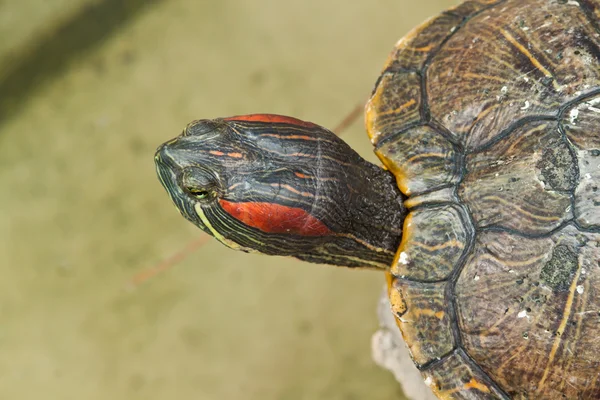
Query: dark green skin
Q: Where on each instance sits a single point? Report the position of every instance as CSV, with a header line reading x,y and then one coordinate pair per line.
x,y
281,186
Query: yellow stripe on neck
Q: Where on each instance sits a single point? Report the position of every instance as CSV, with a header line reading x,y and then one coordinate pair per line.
x,y
215,233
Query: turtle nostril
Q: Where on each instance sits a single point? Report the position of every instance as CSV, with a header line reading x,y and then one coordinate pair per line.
x,y
165,152
158,154
161,153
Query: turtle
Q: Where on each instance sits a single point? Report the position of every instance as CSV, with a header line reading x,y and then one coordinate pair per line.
x,y
485,216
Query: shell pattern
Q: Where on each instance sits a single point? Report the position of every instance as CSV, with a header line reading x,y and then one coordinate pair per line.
x,y
489,117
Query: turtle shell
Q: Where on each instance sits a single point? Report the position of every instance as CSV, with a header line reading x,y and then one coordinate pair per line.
x,y
489,117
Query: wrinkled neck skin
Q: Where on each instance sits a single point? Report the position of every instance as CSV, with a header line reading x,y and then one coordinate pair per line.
x,y
281,186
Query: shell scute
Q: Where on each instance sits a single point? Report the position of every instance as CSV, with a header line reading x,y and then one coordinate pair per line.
x,y
455,378
525,302
503,66
433,241
397,100
509,186
395,103
412,50
421,159
423,318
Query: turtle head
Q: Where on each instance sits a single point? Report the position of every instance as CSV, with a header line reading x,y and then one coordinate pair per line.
x,y
281,186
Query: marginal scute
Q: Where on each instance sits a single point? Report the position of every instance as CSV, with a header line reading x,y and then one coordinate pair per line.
x,y
454,378
421,159
526,302
525,61
422,318
580,123
395,103
414,48
505,186
433,242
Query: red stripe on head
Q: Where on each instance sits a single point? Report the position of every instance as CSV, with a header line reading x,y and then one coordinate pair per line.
x,y
276,218
271,118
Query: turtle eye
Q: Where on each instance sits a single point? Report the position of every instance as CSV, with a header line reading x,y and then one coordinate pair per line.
x,y
199,183
198,193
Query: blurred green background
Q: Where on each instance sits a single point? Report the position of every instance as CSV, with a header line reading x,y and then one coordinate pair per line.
x,y
88,89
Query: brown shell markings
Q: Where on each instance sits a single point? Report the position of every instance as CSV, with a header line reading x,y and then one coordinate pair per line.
x,y
523,182
529,312
488,115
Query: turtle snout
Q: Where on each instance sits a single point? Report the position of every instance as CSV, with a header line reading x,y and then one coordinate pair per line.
x,y
166,166
162,152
